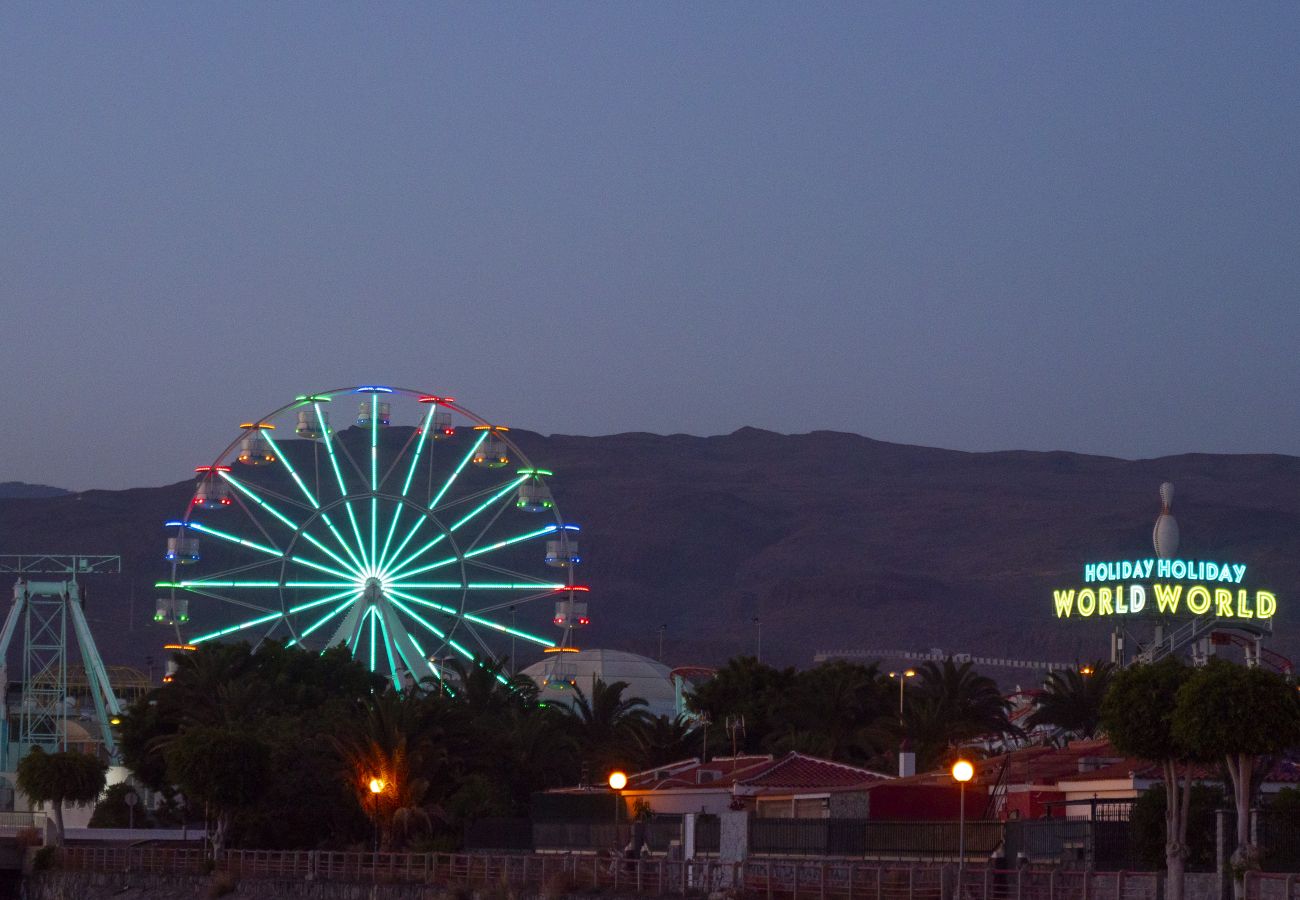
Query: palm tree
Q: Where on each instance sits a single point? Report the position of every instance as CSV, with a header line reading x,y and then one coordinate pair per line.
x,y
838,710
382,766
952,704
1071,700
481,689
662,740
606,724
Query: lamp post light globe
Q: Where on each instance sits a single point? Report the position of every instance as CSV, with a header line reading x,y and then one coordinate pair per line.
x,y
376,786
962,772
617,781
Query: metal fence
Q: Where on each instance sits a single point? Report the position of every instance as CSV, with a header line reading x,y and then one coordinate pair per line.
x,y
659,834
1279,836
553,874
161,860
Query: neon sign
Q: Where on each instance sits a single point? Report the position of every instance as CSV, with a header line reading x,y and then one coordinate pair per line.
x,y
1173,586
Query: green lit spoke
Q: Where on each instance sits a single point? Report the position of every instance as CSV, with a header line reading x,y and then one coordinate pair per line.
x,y
353,596
450,560
469,617
343,488
419,449
406,485
279,454
261,620
451,479
511,485
388,649
225,585
442,635
269,551
311,498
307,536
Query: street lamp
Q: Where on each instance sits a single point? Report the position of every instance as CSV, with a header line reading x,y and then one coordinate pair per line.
x,y
906,759
376,788
617,781
962,771
902,681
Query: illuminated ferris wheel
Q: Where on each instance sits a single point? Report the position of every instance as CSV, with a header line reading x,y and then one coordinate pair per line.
x,y
394,522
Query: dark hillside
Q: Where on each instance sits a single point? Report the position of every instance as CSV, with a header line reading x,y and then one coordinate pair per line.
x,y
832,540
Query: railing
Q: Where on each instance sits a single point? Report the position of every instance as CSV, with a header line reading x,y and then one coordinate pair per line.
x,y
772,879
1050,884
16,821
167,861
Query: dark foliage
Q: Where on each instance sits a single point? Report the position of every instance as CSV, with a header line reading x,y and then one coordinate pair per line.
x,y
1147,827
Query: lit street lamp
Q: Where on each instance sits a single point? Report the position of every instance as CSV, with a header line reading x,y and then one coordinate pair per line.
x,y
376,788
906,759
962,771
617,781
902,681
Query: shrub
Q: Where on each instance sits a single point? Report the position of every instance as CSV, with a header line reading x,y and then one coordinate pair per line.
x,y
1147,828
558,885
222,883
46,858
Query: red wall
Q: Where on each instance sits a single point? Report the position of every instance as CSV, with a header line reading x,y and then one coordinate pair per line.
x,y
916,802
1030,804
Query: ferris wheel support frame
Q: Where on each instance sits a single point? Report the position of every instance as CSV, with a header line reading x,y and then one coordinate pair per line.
x,y
44,608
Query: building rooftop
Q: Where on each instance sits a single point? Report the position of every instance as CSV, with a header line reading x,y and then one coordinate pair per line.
x,y
754,774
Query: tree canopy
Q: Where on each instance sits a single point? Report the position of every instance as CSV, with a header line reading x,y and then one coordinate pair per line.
x,y
1071,700
62,777
310,730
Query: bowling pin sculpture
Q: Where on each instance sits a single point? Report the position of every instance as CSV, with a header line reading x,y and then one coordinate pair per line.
x,y
1165,536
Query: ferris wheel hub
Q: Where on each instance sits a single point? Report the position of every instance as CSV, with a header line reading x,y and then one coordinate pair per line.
x,y
374,589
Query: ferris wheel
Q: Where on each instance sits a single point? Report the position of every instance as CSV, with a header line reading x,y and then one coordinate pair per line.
x,y
394,522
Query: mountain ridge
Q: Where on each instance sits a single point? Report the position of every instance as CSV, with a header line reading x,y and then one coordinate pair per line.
x,y
830,540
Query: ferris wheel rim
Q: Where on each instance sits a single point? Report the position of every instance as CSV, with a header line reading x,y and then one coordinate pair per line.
x,y
463,616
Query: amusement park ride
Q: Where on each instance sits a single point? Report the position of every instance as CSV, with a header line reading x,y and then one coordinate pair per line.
x,y
394,522
44,609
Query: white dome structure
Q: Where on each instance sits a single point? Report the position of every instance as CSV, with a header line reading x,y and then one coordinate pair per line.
x,y
557,675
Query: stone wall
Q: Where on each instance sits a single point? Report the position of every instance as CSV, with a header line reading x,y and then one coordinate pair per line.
x,y
850,805
1205,886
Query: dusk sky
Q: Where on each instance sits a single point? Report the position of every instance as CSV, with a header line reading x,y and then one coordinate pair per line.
x,y
979,226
